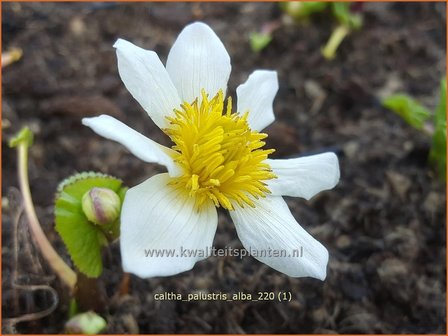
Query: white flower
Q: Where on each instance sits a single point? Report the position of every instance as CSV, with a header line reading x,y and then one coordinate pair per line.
x,y
217,160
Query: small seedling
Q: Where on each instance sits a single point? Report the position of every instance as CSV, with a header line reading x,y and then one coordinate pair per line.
x,y
347,22
347,19
87,211
23,141
259,41
416,115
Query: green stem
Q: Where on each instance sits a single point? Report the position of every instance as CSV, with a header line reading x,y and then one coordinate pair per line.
x,y
338,35
65,273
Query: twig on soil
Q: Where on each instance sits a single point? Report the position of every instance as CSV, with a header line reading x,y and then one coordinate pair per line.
x,y
34,316
26,288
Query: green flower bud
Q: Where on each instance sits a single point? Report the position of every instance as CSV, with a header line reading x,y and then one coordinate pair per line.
x,y
302,10
88,323
101,206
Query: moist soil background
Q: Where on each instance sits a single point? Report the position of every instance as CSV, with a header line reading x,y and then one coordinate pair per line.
x,y
384,224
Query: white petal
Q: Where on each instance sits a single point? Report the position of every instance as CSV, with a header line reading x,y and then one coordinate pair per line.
x,y
198,60
305,176
139,145
257,95
156,218
269,228
147,80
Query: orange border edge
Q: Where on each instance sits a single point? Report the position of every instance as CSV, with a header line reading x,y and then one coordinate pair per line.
x,y
62,1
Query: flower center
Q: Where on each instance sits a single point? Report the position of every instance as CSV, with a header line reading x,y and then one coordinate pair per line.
x,y
221,157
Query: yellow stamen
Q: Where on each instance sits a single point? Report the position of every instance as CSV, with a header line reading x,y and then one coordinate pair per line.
x,y
221,157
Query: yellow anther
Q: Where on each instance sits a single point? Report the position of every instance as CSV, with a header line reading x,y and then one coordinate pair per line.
x,y
215,182
194,182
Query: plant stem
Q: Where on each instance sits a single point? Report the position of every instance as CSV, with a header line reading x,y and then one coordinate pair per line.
x,y
123,288
338,35
65,273
90,294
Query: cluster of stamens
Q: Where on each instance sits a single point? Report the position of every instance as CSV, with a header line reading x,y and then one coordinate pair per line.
x,y
222,159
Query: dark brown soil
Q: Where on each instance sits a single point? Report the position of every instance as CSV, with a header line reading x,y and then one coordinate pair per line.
x,y
384,224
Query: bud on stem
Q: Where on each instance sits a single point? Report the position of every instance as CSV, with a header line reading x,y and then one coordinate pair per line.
x,y
88,323
101,206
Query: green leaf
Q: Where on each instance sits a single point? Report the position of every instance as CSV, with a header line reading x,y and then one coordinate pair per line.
x,y
440,113
407,108
83,239
438,149
259,41
24,136
341,10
